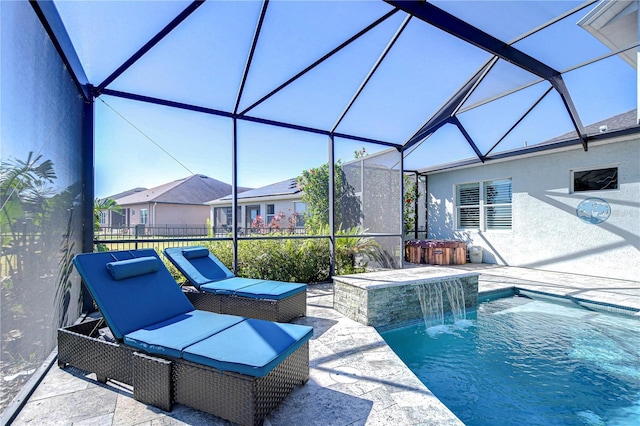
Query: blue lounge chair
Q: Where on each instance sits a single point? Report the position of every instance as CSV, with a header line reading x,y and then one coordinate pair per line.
x,y
219,290
234,367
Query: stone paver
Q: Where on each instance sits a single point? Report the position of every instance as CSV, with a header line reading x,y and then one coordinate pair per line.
x,y
355,378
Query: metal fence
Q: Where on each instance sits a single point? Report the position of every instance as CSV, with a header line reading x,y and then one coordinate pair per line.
x,y
137,231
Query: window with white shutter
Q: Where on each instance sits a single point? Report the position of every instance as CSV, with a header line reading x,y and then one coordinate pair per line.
x,y
468,205
497,209
484,205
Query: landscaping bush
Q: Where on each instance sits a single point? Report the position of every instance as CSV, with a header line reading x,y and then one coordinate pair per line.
x,y
291,260
298,260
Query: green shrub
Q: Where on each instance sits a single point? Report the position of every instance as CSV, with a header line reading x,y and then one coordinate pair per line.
x,y
291,260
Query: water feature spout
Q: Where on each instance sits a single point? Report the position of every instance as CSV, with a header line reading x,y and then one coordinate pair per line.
x,y
438,298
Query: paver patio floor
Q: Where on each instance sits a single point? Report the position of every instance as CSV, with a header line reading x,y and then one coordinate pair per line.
x,y
355,378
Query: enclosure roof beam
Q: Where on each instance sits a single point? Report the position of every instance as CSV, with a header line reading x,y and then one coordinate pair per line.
x,y
437,17
254,44
375,67
522,117
468,138
448,110
321,60
220,113
53,25
558,83
150,44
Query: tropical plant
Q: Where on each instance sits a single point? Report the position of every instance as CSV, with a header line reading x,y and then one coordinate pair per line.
x,y
104,204
25,194
411,194
37,249
354,251
100,205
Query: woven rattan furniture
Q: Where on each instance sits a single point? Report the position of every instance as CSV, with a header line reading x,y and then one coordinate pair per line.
x,y
219,290
233,367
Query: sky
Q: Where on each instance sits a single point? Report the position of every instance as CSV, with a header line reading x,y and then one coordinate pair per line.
x,y
201,63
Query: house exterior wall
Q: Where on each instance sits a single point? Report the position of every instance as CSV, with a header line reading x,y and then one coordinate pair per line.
x,y
287,206
160,214
546,231
179,214
135,218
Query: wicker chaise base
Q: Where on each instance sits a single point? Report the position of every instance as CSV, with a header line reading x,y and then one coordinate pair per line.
x,y
79,346
150,376
240,398
283,310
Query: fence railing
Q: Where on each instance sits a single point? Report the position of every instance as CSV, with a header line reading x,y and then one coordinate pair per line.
x,y
161,237
188,231
135,231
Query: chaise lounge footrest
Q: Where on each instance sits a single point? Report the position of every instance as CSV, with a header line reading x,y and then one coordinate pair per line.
x,y
240,398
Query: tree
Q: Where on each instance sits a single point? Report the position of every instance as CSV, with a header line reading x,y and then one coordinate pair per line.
x,y
105,204
315,186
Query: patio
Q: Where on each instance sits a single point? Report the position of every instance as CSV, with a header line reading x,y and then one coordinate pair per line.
x,y
473,121
355,377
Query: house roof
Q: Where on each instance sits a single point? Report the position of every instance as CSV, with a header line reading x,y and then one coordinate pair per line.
x,y
611,124
286,187
119,195
195,189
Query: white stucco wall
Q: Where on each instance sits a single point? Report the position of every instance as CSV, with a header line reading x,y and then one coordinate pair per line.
x,y
546,232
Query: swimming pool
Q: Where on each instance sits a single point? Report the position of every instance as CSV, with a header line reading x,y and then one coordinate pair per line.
x,y
519,361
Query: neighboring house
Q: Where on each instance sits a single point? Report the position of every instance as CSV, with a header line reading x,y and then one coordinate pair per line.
x,y
278,203
564,209
113,219
174,206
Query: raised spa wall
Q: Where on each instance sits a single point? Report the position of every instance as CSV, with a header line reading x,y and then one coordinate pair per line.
x,y
385,299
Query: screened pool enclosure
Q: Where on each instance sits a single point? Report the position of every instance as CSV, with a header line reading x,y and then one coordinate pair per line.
x,y
101,97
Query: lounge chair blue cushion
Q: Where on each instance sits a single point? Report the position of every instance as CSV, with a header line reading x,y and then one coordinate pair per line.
x,y
230,285
198,270
169,338
136,302
252,347
133,267
273,290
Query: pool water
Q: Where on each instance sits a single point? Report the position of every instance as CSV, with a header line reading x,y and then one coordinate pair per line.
x,y
518,361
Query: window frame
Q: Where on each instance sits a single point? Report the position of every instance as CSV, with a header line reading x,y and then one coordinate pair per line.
x,y
572,179
144,216
269,216
484,207
248,219
300,219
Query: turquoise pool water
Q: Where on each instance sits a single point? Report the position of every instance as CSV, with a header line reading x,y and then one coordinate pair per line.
x,y
518,361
